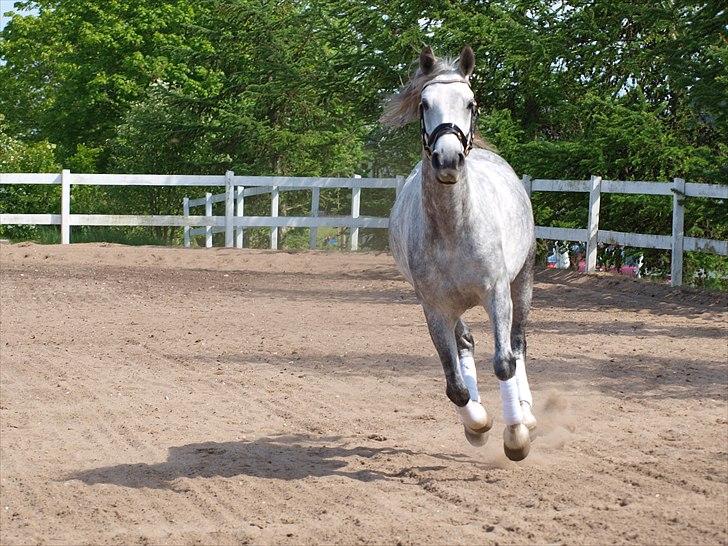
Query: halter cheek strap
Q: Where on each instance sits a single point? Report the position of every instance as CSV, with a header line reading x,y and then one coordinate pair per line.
x,y
428,141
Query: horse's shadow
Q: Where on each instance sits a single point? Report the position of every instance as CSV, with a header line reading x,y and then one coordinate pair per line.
x,y
291,457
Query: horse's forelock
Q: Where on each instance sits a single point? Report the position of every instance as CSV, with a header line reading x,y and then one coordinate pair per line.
x,y
403,106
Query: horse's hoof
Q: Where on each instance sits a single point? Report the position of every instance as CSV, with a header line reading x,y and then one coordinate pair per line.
x,y
475,418
516,442
528,419
474,438
517,454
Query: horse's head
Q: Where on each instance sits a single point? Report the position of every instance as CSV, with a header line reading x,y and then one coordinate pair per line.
x,y
439,94
447,115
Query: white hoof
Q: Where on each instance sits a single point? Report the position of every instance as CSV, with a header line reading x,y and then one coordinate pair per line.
x,y
474,438
516,442
528,419
475,418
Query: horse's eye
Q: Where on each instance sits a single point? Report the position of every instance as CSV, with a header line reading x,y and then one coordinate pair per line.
x,y
472,106
425,105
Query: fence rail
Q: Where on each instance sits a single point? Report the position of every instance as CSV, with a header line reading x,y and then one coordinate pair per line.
x,y
237,188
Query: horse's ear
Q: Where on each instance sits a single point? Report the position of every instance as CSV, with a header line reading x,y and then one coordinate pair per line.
x,y
467,61
427,60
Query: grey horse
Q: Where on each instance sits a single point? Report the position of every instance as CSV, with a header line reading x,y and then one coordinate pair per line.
x,y
462,233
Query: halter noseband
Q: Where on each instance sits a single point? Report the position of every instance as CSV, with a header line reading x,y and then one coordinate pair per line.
x,y
428,141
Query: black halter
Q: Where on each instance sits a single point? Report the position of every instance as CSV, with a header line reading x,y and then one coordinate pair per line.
x,y
428,141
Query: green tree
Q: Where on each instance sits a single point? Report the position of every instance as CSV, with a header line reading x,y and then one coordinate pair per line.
x,y
71,73
258,104
567,89
18,156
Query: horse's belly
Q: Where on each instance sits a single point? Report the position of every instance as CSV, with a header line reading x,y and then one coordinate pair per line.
x,y
456,299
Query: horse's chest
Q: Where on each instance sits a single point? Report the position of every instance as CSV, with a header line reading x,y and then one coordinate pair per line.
x,y
459,295
450,280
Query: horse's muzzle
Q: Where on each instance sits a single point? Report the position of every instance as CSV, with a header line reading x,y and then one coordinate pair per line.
x,y
447,169
448,177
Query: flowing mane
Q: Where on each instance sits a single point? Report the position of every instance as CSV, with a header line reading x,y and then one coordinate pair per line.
x,y
402,107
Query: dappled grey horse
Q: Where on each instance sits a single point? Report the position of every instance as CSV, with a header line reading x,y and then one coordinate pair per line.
x,y
462,233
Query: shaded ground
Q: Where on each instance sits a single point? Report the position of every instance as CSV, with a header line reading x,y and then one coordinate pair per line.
x,y
155,395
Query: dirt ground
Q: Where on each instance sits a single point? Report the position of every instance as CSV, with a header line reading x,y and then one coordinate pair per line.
x,y
171,396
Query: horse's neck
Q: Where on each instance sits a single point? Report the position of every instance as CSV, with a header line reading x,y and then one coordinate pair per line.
x,y
446,207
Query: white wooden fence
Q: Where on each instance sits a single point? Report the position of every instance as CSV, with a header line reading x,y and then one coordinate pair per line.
x,y
239,187
237,201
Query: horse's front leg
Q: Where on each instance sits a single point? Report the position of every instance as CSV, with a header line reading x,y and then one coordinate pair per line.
x,y
472,414
516,440
466,349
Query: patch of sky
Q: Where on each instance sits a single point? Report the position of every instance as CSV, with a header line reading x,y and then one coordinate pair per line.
x,y
7,6
429,26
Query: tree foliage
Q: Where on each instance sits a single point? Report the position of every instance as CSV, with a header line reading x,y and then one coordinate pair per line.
x,y
626,90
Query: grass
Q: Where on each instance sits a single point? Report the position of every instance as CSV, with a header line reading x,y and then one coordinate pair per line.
x,y
51,235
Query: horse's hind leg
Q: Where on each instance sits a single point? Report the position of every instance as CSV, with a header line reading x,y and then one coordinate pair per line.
x,y
442,332
466,350
521,290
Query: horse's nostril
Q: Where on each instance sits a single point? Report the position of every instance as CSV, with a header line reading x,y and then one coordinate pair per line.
x,y
461,160
436,160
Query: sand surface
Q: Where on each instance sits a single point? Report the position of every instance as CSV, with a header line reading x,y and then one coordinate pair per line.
x,y
155,396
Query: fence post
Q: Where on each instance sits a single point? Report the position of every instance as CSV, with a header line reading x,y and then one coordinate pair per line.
x,y
229,208
274,200
208,213
400,185
355,206
313,232
65,207
239,212
527,184
592,231
186,214
678,224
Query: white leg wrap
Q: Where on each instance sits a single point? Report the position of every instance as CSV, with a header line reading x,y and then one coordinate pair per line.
x,y
473,415
512,413
470,376
524,391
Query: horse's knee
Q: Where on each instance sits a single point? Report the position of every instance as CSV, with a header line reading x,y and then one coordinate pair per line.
x,y
504,366
457,393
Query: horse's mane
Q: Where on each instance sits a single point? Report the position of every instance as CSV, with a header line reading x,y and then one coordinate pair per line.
x,y
403,106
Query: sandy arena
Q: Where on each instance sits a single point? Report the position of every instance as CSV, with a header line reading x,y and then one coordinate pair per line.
x,y
171,396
